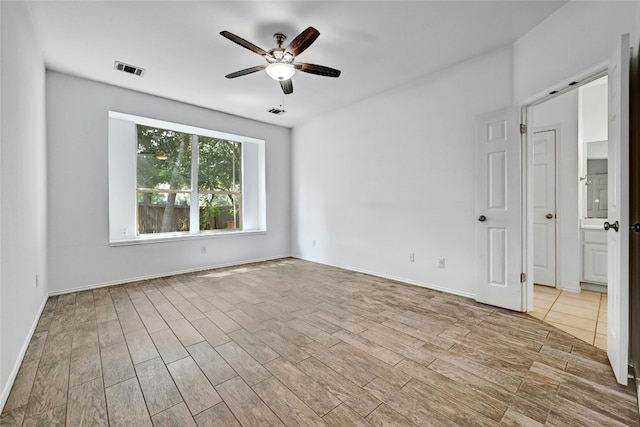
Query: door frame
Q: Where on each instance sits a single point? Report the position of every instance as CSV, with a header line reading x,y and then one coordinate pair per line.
x,y
527,167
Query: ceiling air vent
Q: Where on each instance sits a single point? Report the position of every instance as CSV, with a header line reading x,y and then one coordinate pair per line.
x,y
131,69
277,111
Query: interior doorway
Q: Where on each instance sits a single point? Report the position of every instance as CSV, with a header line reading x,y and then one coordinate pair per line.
x,y
570,227
569,192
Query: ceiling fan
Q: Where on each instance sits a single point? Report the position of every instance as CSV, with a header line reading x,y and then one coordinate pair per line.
x,y
280,61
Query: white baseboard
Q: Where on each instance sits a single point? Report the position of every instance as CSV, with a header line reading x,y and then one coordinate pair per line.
x,y
164,274
396,278
16,367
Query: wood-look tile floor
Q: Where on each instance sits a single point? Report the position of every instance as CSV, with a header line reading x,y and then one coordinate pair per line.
x,y
294,343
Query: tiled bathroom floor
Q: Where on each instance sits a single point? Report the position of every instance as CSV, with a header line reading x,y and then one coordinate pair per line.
x,y
583,315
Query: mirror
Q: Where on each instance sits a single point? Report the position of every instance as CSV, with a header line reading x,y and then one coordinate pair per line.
x,y
593,135
596,184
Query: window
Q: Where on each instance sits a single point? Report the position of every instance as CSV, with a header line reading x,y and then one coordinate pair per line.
x,y
174,169
173,181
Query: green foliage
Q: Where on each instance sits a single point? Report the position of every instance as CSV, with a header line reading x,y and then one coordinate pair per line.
x,y
219,165
219,161
164,158
164,162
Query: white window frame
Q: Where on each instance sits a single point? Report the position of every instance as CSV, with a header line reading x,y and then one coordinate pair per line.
x,y
123,189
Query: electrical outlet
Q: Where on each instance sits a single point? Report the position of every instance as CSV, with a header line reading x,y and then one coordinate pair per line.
x,y
412,257
441,262
203,250
124,232
313,244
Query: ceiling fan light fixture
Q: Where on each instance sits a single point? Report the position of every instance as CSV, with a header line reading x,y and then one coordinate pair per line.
x,y
280,71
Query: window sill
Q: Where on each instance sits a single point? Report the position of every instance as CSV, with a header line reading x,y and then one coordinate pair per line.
x,y
174,237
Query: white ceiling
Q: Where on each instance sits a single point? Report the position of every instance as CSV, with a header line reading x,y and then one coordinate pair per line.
x,y
377,45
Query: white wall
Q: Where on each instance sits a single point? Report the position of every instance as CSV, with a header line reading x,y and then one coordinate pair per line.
x,y
23,197
594,109
579,36
562,111
394,174
79,251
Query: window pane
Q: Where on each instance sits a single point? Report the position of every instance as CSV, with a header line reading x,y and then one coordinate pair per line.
x,y
163,180
153,214
219,184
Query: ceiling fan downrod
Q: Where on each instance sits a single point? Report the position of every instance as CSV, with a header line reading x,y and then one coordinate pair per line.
x,y
279,38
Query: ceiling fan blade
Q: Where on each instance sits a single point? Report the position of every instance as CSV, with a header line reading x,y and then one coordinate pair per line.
x,y
287,86
242,42
320,70
303,41
246,71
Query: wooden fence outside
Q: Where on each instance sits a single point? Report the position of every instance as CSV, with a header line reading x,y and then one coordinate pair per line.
x,y
150,219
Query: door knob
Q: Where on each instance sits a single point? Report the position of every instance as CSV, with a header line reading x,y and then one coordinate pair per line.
x,y
482,218
549,216
615,225
635,227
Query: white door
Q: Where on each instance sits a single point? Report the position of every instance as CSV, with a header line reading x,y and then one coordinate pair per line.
x,y
544,208
618,216
498,260
597,197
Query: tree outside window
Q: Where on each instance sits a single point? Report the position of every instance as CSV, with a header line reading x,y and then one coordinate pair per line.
x,y
168,180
